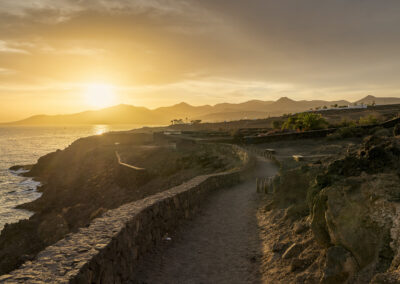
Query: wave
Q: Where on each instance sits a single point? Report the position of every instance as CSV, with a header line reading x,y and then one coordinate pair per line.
x,y
30,183
19,171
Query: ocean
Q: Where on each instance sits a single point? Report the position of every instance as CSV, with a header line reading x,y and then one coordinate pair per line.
x,y
25,145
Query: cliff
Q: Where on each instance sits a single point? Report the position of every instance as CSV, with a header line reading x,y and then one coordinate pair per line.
x,y
85,180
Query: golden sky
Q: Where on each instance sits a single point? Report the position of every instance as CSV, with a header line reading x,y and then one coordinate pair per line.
x,y
54,54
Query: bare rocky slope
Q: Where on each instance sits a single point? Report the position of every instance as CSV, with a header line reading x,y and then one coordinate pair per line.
x,y
336,219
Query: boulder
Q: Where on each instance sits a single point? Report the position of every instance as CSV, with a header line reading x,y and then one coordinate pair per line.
x,y
357,214
339,266
300,227
318,222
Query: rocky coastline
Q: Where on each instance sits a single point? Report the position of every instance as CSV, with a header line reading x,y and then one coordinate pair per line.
x,y
85,180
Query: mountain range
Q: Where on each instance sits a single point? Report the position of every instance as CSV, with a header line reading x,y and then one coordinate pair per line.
x,y
128,114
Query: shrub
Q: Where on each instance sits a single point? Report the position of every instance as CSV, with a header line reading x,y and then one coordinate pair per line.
x,y
347,123
305,121
368,120
343,123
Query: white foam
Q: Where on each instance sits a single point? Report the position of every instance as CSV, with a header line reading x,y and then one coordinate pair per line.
x,y
30,184
19,171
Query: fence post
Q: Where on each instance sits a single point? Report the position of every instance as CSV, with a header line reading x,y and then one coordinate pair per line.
x,y
264,186
271,184
257,187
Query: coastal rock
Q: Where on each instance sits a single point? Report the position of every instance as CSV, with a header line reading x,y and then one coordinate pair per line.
x,y
109,249
52,229
20,167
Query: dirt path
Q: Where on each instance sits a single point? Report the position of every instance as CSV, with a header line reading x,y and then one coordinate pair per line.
x,y
220,245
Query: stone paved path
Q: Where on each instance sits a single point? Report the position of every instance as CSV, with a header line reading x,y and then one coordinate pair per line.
x,y
220,245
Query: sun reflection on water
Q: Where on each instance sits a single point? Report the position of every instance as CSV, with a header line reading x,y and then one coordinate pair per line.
x,y
100,129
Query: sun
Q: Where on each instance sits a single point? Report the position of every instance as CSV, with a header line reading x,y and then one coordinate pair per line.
x,y
100,95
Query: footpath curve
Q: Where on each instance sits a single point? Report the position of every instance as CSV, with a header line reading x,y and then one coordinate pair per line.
x,y
220,245
110,249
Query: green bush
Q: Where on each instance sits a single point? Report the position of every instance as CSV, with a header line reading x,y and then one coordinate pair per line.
x,y
368,120
347,123
305,121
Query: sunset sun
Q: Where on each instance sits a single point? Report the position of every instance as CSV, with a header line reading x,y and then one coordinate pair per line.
x,y
99,95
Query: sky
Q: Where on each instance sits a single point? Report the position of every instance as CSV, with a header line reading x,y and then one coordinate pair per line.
x,y
55,55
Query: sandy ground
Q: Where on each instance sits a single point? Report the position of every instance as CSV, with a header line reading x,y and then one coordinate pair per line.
x,y
220,245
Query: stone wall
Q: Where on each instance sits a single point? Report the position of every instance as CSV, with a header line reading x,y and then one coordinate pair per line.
x,y
391,123
310,134
109,249
288,136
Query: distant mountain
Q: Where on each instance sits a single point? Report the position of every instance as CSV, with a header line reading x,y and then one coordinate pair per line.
x,y
254,109
228,116
253,105
379,101
287,105
121,114
182,110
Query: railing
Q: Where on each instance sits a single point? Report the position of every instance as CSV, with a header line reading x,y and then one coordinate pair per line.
x,y
127,165
265,185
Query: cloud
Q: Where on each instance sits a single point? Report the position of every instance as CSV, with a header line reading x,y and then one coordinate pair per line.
x,y
70,7
24,8
205,48
6,48
4,71
75,50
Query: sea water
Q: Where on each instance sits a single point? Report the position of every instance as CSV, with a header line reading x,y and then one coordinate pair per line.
x,y
22,145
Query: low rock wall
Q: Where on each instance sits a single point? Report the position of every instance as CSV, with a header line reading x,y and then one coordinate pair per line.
x,y
288,136
109,249
310,134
